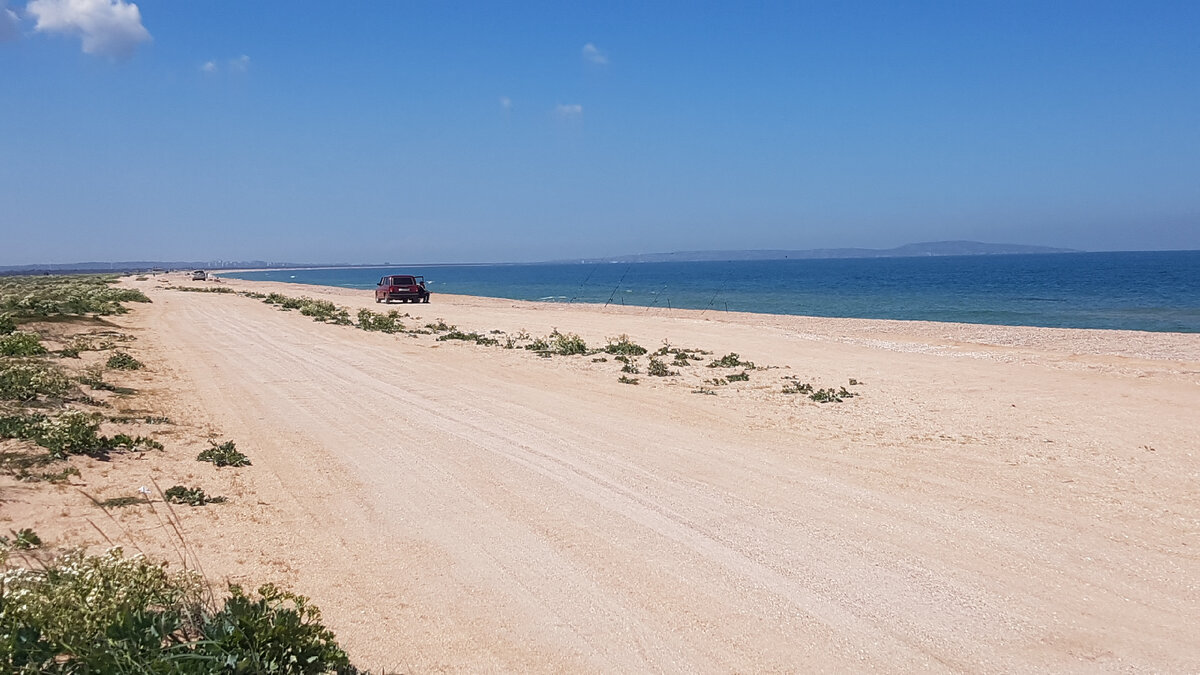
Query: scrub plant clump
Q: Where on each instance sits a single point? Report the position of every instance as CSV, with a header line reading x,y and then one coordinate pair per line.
x,y
624,346
731,360
123,361
224,454
192,496
115,614
29,379
30,297
21,343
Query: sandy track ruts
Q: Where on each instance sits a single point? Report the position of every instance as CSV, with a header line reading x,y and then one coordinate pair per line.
x,y
459,508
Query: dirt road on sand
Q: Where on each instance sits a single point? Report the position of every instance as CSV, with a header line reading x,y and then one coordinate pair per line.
x,y
995,500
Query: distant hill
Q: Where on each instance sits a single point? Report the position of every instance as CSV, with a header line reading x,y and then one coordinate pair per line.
x,y
931,248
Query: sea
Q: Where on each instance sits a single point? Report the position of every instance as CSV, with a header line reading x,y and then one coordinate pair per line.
x,y
1145,291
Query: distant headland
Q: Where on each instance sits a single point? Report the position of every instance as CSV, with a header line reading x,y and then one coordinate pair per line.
x,y
930,248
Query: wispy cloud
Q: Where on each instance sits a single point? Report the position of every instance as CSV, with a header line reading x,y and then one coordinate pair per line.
x,y
9,28
208,67
592,54
107,27
505,103
240,65
568,112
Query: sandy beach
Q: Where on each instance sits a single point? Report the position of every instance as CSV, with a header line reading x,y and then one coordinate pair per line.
x,y
995,499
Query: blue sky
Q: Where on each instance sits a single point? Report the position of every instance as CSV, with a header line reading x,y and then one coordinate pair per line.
x,y
455,132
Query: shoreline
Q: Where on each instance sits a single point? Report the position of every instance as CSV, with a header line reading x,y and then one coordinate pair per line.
x,y
1151,345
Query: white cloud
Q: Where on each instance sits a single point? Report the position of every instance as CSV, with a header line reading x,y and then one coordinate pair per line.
x,y
505,103
592,54
569,112
107,27
209,67
9,30
240,65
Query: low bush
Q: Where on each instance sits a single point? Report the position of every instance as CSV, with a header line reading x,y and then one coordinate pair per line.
x,y
831,396
21,343
325,311
59,295
659,369
381,323
7,325
797,387
123,361
731,360
191,496
630,367
112,614
623,345
738,377
225,454
71,433
627,380
26,380
456,334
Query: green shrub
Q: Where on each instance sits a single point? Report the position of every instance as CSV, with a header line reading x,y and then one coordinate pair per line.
x,y
831,396
623,345
20,343
225,454
382,323
23,425
112,614
24,539
659,369
326,311
731,360
123,361
627,380
568,344
630,367
72,433
456,334
25,380
74,295
7,325
439,327
797,387
277,632
190,496
738,377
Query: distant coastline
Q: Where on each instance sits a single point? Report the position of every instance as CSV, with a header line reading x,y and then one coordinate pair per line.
x,y
919,250
936,248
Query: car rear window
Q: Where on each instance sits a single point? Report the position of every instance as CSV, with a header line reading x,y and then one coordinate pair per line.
x,y
403,281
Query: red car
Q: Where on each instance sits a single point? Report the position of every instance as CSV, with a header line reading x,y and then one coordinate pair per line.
x,y
402,287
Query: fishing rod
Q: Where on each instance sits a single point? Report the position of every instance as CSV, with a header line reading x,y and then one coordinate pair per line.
x,y
614,290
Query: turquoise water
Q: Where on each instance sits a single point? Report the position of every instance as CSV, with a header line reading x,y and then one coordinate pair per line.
x,y
1151,291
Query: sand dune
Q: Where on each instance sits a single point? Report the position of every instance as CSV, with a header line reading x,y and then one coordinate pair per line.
x,y
995,500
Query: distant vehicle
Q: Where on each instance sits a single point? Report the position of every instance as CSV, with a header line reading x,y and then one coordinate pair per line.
x,y
199,275
402,287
